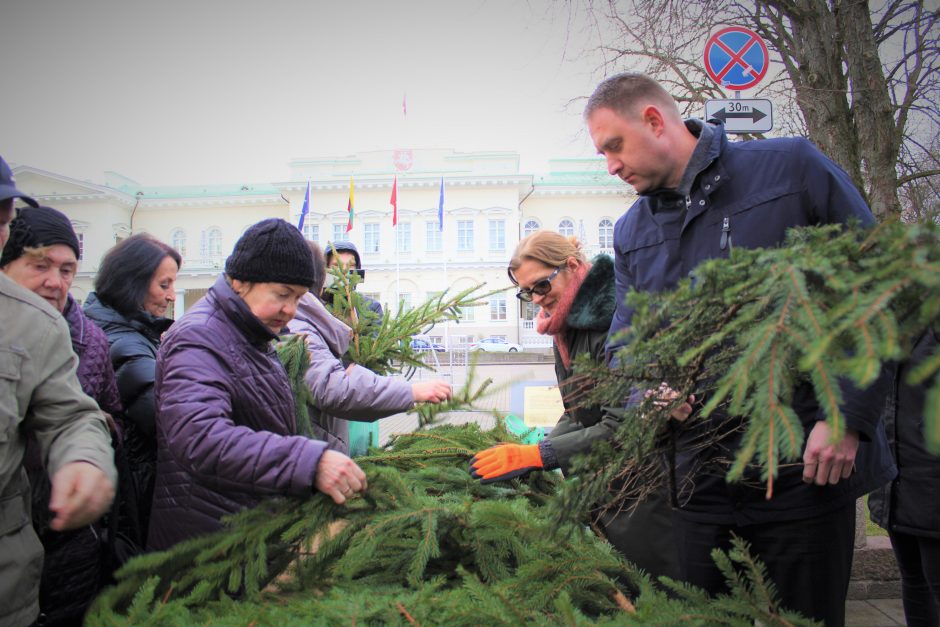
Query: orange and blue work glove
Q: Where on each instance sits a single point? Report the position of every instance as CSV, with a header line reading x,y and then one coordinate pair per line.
x,y
505,461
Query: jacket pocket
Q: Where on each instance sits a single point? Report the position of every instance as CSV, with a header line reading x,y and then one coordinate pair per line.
x,y
10,365
758,221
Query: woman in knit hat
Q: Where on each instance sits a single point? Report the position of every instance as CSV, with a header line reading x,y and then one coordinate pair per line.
x,y
226,431
42,256
576,304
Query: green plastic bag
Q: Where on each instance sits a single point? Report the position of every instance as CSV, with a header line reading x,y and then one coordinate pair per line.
x,y
362,435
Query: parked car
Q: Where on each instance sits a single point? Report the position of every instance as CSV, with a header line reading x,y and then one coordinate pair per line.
x,y
495,345
422,344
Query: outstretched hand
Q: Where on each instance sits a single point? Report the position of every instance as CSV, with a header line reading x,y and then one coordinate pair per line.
x,y
505,461
81,493
339,477
436,391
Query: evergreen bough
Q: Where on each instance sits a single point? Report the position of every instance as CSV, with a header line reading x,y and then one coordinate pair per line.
x,y
425,544
831,306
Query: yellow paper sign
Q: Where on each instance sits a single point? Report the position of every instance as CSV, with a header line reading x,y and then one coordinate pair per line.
x,y
542,405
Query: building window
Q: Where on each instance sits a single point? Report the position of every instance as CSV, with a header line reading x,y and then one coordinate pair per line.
x,y
566,227
530,227
371,243
605,234
178,241
529,310
339,232
464,234
81,246
403,237
467,314
498,307
311,231
432,237
404,300
214,243
497,235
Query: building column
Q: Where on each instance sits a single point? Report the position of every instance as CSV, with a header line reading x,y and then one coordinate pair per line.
x,y
179,307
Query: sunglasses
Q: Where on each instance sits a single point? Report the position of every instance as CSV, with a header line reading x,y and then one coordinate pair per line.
x,y
539,288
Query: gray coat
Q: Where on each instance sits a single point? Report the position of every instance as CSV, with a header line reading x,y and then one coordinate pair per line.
x,y
39,394
340,394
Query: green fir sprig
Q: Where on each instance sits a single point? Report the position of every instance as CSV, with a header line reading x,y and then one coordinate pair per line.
x,y
827,311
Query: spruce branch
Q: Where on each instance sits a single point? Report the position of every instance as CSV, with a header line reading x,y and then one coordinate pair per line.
x,y
744,334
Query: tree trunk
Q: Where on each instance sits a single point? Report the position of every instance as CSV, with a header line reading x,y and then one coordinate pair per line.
x,y
820,84
873,111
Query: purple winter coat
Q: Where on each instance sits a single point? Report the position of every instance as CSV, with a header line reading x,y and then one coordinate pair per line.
x,y
225,421
339,394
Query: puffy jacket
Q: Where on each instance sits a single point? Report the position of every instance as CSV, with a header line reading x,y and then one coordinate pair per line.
x,y
134,342
746,194
225,421
911,503
340,394
39,395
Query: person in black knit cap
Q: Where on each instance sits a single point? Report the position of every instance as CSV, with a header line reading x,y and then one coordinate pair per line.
x,y
226,431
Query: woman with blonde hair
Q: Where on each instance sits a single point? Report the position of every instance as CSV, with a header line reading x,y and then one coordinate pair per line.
x,y
576,304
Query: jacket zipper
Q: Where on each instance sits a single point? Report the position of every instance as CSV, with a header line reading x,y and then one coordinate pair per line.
x,y
725,241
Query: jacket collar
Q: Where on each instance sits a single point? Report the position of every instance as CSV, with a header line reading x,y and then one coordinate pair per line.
x,y
711,142
593,306
76,320
145,323
237,311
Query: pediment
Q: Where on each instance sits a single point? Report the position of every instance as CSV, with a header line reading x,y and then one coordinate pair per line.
x,y
39,183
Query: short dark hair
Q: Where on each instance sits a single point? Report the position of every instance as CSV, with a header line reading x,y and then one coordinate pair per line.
x,y
319,268
623,92
126,271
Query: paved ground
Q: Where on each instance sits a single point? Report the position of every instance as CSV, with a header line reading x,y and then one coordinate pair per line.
x,y
870,613
874,613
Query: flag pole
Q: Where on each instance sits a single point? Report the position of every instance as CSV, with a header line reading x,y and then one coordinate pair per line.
x,y
440,218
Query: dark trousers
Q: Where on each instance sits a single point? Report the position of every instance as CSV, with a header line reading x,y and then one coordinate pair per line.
x,y
919,563
808,560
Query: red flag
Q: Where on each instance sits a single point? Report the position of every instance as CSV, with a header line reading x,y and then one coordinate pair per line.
x,y
394,201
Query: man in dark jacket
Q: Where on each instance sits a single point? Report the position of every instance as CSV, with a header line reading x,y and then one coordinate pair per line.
x,y
345,255
909,506
699,196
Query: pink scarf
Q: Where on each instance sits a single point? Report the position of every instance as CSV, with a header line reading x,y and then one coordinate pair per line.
x,y
554,324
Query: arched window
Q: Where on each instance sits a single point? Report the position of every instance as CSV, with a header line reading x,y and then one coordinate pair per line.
x,y
566,227
605,233
530,227
214,243
178,241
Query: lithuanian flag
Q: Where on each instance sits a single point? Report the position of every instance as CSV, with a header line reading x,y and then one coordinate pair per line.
x,y
350,208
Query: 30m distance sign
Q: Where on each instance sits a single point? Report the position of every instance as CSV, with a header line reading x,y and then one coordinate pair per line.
x,y
753,115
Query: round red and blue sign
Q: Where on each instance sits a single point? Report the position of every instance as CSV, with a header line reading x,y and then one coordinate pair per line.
x,y
736,58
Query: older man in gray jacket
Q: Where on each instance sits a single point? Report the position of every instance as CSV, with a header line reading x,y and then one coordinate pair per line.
x,y
40,394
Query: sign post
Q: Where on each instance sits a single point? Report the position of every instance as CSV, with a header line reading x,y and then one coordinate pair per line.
x,y
736,58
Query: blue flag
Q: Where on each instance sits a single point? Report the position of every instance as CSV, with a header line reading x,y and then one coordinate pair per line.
x,y
305,209
440,208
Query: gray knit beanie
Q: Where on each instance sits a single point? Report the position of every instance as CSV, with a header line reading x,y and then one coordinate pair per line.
x,y
271,251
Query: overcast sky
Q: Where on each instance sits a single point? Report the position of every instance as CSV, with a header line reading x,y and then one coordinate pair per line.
x,y
226,91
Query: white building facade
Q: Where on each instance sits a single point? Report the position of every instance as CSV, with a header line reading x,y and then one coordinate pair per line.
x,y
489,205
